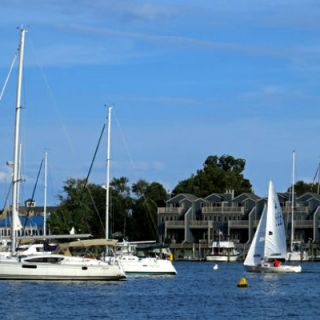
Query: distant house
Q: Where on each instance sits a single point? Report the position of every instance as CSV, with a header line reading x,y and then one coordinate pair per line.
x,y
31,218
187,219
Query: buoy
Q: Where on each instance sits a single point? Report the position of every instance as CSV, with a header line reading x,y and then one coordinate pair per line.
x,y
243,283
215,267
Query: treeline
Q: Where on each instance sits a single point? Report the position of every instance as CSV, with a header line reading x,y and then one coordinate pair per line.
x,y
133,208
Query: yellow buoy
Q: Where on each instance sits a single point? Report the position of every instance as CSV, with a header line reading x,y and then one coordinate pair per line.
x,y
243,283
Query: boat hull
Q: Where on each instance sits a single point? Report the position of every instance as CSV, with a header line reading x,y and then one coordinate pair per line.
x,y
146,266
85,269
297,256
268,268
221,258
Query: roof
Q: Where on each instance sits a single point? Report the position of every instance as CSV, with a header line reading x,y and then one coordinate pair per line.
x,y
89,243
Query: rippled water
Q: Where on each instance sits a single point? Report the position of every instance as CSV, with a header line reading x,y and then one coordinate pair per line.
x,y
197,292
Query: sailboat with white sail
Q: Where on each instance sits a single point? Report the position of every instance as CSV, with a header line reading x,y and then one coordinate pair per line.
x,y
151,259
46,266
297,252
268,249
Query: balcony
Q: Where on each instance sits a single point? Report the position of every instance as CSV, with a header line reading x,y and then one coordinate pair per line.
x,y
215,210
239,224
199,224
174,224
303,224
170,210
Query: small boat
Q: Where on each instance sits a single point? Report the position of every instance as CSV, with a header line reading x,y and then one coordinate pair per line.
x,y
142,258
268,249
297,253
215,267
223,251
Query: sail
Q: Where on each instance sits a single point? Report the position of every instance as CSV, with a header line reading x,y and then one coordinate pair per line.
x,y
16,224
275,237
256,250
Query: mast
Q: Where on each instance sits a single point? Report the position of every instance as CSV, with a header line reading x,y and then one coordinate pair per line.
x,y
318,178
108,170
15,179
19,176
45,194
292,199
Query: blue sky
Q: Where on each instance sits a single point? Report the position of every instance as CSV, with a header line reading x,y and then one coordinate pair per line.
x,y
186,79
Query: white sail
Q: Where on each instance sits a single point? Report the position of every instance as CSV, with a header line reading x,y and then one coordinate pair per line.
x,y
275,237
16,223
256,250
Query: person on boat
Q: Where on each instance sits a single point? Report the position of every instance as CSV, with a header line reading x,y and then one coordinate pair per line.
x,y
276,263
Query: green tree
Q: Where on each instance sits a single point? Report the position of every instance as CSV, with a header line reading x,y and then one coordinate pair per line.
x,y
151,195
218,175
302,187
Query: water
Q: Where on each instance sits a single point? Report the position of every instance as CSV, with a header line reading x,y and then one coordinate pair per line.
x,y
197,292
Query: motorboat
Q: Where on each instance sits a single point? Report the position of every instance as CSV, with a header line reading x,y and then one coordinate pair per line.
x,y
223,251
142,258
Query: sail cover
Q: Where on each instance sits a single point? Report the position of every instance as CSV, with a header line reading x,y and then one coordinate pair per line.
x,y
275,237
256,251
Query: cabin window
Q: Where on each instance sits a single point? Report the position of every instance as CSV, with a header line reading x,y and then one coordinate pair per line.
x,y
44,260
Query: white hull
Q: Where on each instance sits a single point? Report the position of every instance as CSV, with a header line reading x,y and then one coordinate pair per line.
x,y
134,265
297,256
69,268
222,258
269,268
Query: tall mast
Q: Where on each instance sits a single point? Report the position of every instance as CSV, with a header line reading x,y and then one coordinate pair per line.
x,y
108,170
15,179
292,199
45,194
318,178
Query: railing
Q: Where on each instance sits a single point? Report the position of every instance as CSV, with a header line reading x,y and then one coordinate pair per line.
x,y
200,223
172,210
174,223
303,223
297,210
235,210
238,223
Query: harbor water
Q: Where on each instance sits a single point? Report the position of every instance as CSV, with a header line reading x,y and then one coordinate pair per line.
x,y
197,292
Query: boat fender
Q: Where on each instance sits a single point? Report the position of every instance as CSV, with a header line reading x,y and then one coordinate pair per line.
x,y
243,283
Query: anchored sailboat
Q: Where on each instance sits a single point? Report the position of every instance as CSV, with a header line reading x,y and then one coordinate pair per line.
x,y
138,257
296,253
46,266
268,249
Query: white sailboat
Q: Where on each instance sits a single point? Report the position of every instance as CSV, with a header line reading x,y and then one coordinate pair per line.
x,y
153,262
296,253
46,266
142,258
268,248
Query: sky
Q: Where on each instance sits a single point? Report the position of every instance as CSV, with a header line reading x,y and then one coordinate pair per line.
x,y
185,79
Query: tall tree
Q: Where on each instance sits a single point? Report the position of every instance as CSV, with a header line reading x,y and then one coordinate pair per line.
x,y
302,187
218,175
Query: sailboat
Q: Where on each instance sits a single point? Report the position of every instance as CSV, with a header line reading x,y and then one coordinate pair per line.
x,y
268,249
46,266
154,259
296,253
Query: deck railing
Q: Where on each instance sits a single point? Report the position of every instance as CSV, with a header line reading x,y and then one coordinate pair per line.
x,y
211,209
168,210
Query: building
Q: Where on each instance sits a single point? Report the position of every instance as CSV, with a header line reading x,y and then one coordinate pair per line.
x,y
31,218
190,224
